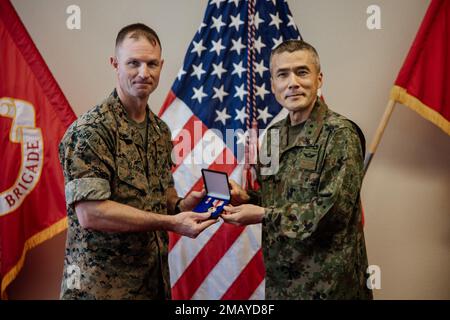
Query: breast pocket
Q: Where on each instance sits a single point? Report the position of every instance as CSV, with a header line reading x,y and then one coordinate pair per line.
x,y
269,185
302,184
160,165
131,183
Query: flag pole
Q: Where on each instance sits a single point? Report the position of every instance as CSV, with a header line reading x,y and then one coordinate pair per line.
x,y
379,133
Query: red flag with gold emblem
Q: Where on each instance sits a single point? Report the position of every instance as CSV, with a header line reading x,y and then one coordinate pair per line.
x,y
34,114
423,82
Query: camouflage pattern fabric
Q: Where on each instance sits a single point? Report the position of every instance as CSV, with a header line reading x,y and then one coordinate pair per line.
x,y
102,156
313,240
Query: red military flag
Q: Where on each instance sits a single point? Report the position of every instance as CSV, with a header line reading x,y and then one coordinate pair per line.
x,y
34,115
423,82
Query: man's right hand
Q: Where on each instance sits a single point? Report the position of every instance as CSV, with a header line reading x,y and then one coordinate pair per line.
x,y
238,195
243,215
191,224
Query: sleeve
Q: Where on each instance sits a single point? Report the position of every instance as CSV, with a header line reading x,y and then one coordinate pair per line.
x,y
337,193
87,165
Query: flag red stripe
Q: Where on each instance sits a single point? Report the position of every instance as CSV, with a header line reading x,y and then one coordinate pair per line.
x,y
248,280
188,145
173,239
169,99
205,261
36,63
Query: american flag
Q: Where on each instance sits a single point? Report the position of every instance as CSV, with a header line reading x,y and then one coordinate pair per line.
x,y
221,91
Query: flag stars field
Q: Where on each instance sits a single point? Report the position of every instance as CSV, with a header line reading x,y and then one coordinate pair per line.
x,y
217,23
261,91
240,92
241,115
292,22
236,2
259,44
199,94
202,25
198,47
257,20
222,116
238,69
236,22
276,41
237,45
264,115
198,71
260,68
219,93
218,70
217,46
181,72
216,3
275,20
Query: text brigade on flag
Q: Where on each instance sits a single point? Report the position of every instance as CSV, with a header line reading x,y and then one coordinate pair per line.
x,y
34,115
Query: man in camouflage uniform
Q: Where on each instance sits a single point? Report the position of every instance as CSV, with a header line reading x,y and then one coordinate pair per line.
x,y
313,239
117,163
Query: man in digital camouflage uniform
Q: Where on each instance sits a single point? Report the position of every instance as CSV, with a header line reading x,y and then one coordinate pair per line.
x,y
313,239
116,160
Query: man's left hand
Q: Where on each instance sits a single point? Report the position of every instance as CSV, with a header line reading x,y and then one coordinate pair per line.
x,y
238,195
191,200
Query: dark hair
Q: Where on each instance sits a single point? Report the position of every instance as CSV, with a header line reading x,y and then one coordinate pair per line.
x,y
296,45
135,31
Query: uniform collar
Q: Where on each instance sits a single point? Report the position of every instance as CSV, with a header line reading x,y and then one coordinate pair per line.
x,y
126,130
310,131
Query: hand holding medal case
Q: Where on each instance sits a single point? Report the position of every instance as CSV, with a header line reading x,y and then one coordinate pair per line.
x,y
218,193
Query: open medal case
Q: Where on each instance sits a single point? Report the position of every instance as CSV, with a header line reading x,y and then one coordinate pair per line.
x,y
218,193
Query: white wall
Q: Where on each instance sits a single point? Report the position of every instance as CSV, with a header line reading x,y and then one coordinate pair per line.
x,y
406,191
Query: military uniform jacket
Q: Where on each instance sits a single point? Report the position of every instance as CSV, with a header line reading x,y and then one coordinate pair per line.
x,y
313,240
103,157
